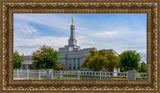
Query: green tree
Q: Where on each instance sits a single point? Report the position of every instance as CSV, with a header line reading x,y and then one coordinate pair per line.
x,y
142,67
101,60
129,60
45,58
17,59
60,67
113,61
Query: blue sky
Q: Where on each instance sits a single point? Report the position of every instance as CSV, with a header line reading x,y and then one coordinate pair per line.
x,y
104,31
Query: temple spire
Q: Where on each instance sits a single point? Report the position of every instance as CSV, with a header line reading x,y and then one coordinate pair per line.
x,y
72,19
72,39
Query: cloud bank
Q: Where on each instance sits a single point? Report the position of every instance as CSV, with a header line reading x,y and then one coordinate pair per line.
x,y
104,31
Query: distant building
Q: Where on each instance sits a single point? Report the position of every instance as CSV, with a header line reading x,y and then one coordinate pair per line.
x,y
71,55
27,62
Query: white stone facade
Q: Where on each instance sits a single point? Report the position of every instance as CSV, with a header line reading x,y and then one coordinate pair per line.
x,y
73,59
71,56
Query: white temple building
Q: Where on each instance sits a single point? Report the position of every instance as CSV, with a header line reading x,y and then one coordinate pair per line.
x,y
71,55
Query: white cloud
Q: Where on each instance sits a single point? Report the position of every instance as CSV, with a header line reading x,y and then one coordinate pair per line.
x,y
59,22
141,50
27,45
28,30
105,33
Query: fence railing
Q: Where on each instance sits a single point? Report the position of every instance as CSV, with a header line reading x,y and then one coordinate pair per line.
x,y
29,74
73,75
87,75
141,76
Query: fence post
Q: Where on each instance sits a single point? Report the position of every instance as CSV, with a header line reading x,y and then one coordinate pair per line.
x,y
131,75
27,73
48,74
127,75
52,76
39,74
100,74
78,74
60,74
18,73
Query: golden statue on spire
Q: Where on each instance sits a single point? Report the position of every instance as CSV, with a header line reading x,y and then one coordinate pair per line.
x,y
72,19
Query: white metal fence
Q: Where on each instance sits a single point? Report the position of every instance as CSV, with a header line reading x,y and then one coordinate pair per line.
x,y
73,75
141,76
29,74
87,75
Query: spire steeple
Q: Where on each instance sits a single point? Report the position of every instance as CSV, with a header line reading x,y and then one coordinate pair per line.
x,y
72,20
72,40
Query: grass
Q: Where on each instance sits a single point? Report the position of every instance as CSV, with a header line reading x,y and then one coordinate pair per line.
x,y
57,77
75,77
34,79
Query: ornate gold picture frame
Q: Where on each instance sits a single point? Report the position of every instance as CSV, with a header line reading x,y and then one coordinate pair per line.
x,y
9,7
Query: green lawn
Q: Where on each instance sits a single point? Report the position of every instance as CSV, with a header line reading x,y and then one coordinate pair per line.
x,y
57,77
